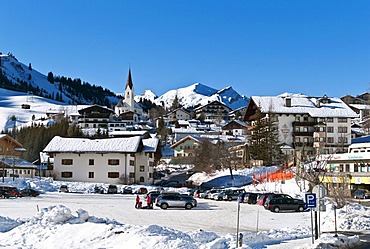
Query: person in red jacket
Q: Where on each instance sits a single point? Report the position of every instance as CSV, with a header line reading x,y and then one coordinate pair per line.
x,y
149,202
138,202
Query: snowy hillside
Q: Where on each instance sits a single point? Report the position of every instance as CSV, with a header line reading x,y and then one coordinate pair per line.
x,y
199,94
17,71
147,94
11,102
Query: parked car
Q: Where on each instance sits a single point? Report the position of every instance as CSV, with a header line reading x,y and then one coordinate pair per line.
x,y
170,201
112,189
30,192
261,198
206,194
218,196
250,198
232,194
278,204
274,195
4,194
361,194
98,190
127,190
11,191
64,189
142,190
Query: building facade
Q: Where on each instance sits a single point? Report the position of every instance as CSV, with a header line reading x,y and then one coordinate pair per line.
x,y
110,160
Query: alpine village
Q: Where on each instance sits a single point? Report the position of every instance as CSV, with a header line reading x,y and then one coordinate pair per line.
x,y
70,130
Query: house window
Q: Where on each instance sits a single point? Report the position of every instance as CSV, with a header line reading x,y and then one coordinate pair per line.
x,y
28,171
91,161
342,120
342,129
342,140
113,174
150,155
113,161
132,155
329,120
67,174
132,175
330,129
67,161
91,174
142,168
150,175
132,163
142,179
330,140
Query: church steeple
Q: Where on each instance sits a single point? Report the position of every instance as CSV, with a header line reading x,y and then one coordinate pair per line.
x,y
129,80
129,93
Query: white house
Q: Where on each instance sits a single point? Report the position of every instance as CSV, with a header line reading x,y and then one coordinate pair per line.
x,y
109,160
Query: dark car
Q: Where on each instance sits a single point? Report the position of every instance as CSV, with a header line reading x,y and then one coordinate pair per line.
x,y
361,194
4,194
274,195
285,203
127,190
11,191
112,189
64,189
250,198
98,190
232,194
30,192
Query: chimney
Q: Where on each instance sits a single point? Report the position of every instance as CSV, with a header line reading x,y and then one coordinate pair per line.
x,y
288,102
318,103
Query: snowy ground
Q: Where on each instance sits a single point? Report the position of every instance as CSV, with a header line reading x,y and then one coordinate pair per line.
x,y
86,220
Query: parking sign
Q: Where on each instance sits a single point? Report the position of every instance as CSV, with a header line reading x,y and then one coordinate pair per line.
x,y
311,200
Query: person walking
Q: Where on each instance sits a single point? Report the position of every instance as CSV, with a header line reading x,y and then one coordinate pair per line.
x,y
137,204
149,202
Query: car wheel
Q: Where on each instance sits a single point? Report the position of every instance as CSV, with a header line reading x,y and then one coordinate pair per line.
x,y
300,208
276,209
188,206
164,206
230,199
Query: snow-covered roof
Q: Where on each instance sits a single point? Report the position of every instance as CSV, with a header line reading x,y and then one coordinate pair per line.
x,y
17,162
127,133
61,144
150,144
301,104
360,107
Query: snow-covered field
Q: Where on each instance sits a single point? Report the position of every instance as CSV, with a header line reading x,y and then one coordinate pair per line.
x,y
87,220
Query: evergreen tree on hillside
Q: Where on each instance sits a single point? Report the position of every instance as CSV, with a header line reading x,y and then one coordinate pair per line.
x,y
50,77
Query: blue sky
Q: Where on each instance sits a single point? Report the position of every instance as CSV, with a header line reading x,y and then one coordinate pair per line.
x,y
257,47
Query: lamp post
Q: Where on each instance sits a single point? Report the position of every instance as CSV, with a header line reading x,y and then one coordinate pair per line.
x,y
237,225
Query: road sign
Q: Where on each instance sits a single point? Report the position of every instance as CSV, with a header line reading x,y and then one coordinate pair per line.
x,y
311,200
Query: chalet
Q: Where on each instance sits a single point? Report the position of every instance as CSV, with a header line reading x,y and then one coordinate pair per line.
x,y
10,163
235,128
308,124
95,117
178,114
215,111
109,160
186,146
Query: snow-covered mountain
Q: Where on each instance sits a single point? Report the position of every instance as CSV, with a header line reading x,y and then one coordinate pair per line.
x,y
197,94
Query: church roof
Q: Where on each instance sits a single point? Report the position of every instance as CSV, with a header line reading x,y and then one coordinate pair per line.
x,y
129,80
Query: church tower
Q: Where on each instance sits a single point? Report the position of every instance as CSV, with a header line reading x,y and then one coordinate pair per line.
x,y
129,93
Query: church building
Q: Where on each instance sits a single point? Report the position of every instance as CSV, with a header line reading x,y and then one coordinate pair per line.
x,y
127,107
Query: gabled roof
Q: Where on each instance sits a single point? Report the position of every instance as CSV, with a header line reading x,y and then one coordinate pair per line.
x,y
194,138
235,124
11,140
105,145
179,109
98,107
212,103
301,104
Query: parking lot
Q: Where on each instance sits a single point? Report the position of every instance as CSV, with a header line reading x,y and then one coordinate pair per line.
x,y
209,215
